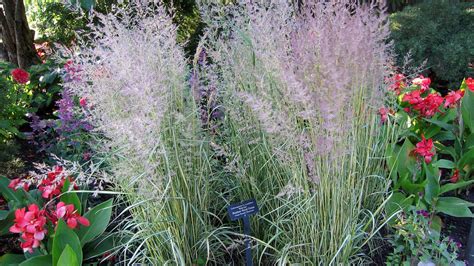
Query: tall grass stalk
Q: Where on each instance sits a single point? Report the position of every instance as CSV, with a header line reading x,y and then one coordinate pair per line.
x,y
301,88
133,75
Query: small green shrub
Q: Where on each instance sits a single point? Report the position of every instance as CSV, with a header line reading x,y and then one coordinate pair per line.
x,y
17,99
436,31
56,22
414,241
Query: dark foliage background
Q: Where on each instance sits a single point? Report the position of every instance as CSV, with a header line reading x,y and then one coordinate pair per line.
x,y
440,32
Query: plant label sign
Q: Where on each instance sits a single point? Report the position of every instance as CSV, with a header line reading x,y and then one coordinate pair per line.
x,y
243,210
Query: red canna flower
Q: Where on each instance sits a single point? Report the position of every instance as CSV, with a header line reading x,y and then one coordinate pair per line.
x,y
425,149
430,105
413,97
423,82
20,75
68,214
30,224
470,83
52,185
453,98
19,183
455,177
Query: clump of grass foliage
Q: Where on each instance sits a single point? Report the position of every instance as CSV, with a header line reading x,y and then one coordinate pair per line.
x,y
300,87
133,74
281,108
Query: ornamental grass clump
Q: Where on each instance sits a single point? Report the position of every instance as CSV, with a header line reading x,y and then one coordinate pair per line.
x,y
133,75
301,87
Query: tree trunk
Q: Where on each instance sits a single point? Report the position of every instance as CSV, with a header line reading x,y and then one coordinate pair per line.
x,y
16,35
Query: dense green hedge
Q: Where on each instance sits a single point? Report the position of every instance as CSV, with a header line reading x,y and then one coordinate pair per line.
x,y
439,31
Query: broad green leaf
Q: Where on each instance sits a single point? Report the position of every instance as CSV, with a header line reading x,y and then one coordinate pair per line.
x,y
441,124
6,223
446,164
467,108
44,260
70,197
398,201
466,159
432,187
9,194
436,224
443,136
65,236
454,186
447,150
4,214
406,163
68,257
391,155
470,141
99,218
454,206
11,259
410,187
432,131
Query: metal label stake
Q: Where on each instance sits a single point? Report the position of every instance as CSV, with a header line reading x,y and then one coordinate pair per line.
x,y
243,210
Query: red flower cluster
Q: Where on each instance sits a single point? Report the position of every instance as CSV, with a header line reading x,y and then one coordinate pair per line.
x,y
54,182
68,214
20,75
423,82
453,98
50,186
425,149
427,106
397,83
30,224
19,183
470,83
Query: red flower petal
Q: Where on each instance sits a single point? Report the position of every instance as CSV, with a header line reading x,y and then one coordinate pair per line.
x,y
83,221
